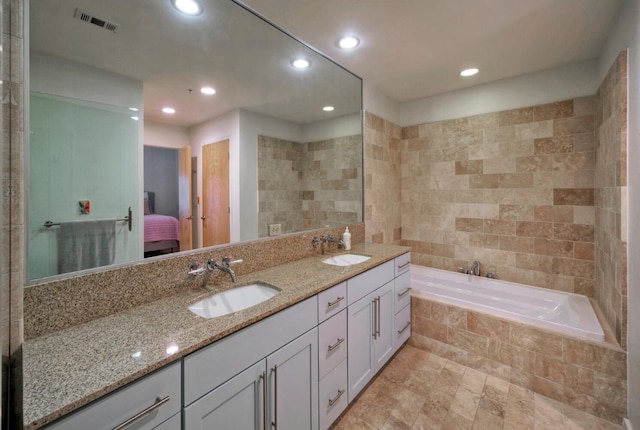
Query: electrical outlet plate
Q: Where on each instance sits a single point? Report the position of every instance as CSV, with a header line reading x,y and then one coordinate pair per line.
x,y
275,229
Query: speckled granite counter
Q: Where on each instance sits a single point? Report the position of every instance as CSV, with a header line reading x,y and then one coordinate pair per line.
x,y
68,369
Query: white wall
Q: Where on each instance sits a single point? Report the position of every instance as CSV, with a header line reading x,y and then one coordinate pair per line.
x,y
165,135
626,34
347,125
379,104
575,80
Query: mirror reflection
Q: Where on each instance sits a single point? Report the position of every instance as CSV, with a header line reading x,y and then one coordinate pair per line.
x,y
153,132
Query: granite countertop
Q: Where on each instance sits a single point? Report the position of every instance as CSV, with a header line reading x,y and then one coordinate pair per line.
x,y
70,368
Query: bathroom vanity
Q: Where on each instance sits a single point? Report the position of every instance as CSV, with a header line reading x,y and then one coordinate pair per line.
x,y
294,361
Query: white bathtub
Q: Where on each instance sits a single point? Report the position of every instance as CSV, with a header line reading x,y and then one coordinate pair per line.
x,y
565,312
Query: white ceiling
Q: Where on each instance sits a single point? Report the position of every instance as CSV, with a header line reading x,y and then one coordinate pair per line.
x,y
412,49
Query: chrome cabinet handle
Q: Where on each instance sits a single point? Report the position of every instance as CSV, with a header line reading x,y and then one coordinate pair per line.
x,y
335,302
336,398
375,317
337,344
378,318
402,266
263,378
404,293
406,326
159,402
274,423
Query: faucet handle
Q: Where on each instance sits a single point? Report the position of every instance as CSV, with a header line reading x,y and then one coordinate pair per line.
x,y
226,260
196,269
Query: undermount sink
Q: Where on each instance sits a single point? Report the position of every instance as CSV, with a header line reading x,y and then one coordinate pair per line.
x,y
346,259
233,300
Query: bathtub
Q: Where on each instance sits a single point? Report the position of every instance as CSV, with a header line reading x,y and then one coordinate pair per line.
x,y
564,312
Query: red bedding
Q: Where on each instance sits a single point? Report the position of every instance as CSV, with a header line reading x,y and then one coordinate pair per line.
x,y
160,227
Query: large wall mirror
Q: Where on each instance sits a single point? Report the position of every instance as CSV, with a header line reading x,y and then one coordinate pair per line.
x,y
152,132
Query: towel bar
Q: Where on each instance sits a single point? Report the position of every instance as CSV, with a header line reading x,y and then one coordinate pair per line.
x,y
128,219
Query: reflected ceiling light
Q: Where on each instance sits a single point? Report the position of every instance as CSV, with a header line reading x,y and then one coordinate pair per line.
x,y
135,118
207,90
300,63
469,72
188,7
168,110
348,42
172,348
133,109
328,108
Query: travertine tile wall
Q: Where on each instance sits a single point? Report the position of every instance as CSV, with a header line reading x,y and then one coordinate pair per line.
x,y
588,376
382,180
309,185
332,182
280,166
611,197
512,189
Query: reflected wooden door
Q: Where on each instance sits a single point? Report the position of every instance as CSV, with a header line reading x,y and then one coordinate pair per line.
x,y
215,193
184,198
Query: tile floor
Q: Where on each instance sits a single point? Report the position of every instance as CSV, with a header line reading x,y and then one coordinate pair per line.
x,y
422,391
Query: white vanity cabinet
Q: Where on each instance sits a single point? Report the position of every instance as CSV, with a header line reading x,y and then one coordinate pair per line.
x,y
275,363
149,403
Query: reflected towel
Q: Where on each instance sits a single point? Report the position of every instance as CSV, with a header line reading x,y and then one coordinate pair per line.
x,y
86,244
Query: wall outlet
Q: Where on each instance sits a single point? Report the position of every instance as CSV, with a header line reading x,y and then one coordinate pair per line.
x,y
275,229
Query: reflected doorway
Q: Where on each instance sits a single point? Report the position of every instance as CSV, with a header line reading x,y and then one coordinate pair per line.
x,y
215,194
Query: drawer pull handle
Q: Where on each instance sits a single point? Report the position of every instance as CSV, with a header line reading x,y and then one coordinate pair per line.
x,y
159,402
406,326
404,293
336,398
335,302
402,266
337,344
263,378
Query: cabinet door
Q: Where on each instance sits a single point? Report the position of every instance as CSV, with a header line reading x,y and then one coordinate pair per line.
x,y
383,342
238,403
293,384
360,331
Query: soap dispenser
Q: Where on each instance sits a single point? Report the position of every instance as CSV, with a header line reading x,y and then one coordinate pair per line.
x,y
346,238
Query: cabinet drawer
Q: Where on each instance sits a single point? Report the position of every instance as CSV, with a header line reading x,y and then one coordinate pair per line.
x,y
332,342
401,327
118,407
363,284
173,423
402,263
333,395
209,367
332,301
401,291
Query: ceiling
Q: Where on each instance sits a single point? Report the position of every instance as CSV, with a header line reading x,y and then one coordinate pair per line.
x,y
412,49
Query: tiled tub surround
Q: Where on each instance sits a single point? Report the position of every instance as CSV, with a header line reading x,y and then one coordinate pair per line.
x,y
69,368
611,197
513,189
590,376
309,185
58,304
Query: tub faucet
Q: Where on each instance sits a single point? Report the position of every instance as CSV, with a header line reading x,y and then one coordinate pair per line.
x,y
225,266
475,269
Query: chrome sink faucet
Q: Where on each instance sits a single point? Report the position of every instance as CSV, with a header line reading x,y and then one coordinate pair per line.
x,y
329,238
333,239
225,266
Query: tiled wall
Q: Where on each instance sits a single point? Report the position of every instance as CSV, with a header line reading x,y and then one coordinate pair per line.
x,y
280,166
309,185
588,376
382,180
512,189
611,197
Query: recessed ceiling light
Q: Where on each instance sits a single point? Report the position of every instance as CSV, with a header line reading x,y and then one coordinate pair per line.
x,y
207,90
188,7
168,110
300,63
348,42
469,72
328,108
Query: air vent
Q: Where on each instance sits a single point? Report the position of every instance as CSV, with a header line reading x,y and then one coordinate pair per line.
x,y
92,19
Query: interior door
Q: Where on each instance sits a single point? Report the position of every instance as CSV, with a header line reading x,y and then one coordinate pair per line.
x,y
215,194
184,198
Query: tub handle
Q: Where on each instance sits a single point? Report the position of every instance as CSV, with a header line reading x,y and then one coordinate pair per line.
x,y
404,293
406,326
403,265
